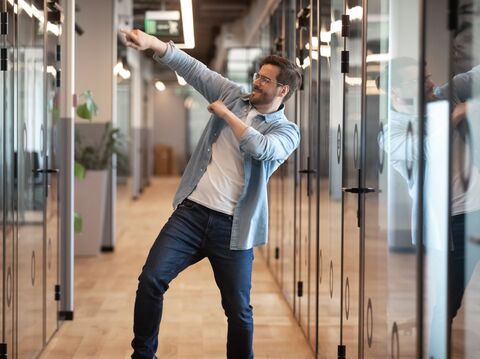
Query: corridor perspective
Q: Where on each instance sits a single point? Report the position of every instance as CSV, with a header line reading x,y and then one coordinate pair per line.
x,y
284,179
192,325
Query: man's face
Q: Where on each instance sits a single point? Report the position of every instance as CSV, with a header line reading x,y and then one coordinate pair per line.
x,y
265,87
404,94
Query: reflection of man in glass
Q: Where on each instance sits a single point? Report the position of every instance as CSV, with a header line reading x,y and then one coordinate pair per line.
x,y
402,144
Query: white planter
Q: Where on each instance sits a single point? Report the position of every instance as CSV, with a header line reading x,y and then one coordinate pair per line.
x,y
90,197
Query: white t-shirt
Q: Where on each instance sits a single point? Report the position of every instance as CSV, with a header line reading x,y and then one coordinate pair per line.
x,y
222,183
464,200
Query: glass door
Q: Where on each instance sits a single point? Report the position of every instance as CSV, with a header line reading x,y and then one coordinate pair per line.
x,y
330,176
435,130
352,127
8,183
51,175
391,132
463,245
312,176
30,185
302,199
289,175
468,37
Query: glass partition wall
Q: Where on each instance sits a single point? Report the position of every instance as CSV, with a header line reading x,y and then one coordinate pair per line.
x,y
384,190
30,73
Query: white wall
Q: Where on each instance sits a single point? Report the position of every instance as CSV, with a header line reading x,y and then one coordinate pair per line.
x,y
94,59
170,123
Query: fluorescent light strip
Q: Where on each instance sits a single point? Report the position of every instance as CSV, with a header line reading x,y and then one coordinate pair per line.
x,y
187,21
51,70
15,7
325,51
378,57
38,14
25,7
336,26
325,36
356,13
54,29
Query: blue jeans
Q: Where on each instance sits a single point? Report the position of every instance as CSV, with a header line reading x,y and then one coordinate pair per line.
x,y
192,233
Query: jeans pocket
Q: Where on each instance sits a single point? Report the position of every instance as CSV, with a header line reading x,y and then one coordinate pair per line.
x,y
187,204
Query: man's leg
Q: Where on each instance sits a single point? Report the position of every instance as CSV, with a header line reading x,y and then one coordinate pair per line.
x,y
176,247
233,274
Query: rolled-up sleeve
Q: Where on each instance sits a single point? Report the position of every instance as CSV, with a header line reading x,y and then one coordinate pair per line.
x,y
278,144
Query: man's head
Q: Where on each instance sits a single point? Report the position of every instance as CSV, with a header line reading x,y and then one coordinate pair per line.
x,y
404,75
277,79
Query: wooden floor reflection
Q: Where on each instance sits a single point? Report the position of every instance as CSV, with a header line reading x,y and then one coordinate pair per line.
x,y
193,324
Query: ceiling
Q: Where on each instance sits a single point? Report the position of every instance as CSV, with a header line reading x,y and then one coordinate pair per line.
x,y
208,16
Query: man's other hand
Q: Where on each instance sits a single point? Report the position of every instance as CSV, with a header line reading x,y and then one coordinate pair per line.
x,y
219,109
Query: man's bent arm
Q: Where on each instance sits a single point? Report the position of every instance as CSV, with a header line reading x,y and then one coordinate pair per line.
x,y
273,146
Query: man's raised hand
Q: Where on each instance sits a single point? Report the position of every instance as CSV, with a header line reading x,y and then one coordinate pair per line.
x,y
137,39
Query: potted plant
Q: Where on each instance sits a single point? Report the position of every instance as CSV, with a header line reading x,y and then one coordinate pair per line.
x,y
92,162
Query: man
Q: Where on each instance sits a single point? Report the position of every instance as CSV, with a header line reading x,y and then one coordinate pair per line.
x,y
221,204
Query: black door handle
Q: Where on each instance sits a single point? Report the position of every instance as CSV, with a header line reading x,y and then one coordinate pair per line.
x,y
48,170
307,171
358,190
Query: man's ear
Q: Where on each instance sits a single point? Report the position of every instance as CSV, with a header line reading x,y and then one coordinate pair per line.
x,y
284,91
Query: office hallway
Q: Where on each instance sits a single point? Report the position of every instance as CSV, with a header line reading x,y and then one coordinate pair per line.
x,y
193,323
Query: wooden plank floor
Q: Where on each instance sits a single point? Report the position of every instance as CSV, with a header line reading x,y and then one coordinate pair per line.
x,y
193,324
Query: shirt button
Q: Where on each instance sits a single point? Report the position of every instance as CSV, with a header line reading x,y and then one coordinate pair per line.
x,y
208,150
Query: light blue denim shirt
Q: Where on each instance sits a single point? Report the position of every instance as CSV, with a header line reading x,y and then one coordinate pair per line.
x,y
268,142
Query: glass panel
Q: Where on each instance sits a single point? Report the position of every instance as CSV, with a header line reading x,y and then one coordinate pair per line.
x,y
328,313
289,174
302,200
464,287
330,173
52,206
312,181
392,53
351,172
30,184
3,211
9,171
435,193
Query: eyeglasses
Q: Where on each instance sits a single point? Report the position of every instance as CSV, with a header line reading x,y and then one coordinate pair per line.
x,y
265,80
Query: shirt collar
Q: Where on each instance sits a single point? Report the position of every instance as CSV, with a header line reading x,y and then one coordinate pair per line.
x,y
268,117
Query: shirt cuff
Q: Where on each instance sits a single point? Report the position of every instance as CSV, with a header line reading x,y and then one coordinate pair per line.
x,y
167,55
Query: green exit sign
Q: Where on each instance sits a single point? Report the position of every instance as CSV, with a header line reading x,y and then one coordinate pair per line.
x,y
163,23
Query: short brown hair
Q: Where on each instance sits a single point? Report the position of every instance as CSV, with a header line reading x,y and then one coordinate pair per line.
x,y
290,74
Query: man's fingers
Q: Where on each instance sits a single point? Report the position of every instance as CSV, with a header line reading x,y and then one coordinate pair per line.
x,y
133,45
130,36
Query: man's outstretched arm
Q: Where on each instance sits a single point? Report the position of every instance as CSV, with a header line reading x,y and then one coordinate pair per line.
x,y
210,84
139,40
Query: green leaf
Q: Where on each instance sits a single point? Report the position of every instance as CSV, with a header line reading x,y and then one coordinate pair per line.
x,y
77,223
79,171
83,112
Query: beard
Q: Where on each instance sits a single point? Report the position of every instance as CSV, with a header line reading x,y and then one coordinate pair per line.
x,y
259,97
